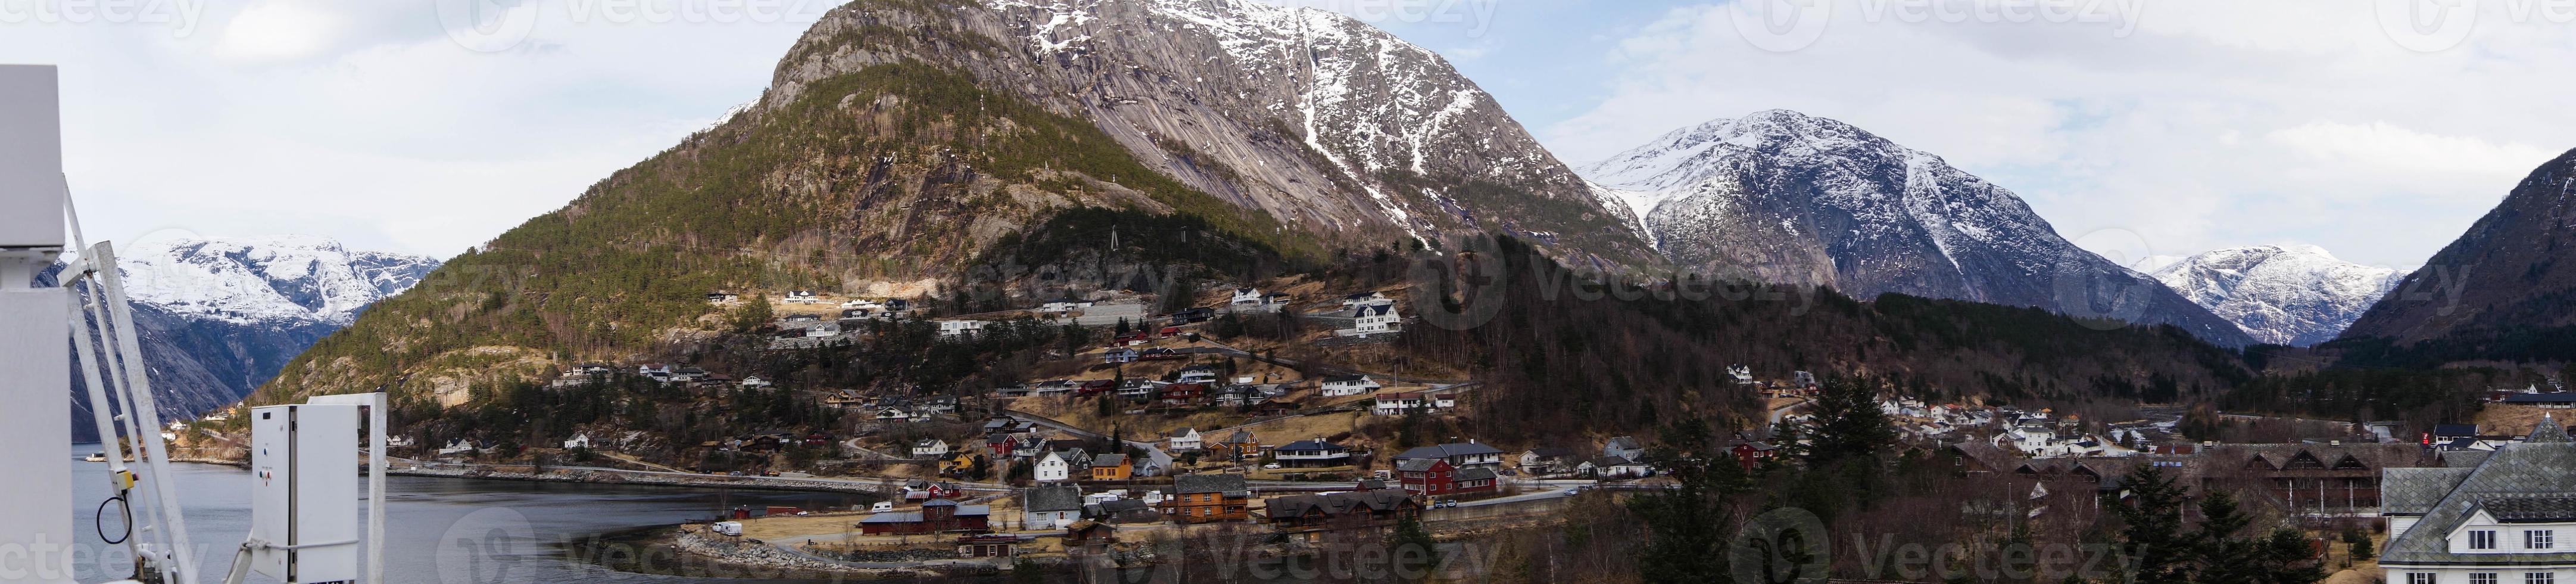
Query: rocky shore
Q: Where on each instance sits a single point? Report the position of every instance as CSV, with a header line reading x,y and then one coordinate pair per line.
x,y
631,478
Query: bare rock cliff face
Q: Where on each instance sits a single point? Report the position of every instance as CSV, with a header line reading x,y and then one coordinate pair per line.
x,y
1330,125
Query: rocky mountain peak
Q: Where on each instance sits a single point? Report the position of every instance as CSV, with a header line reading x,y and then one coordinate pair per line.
x,y
1788,197
2281,294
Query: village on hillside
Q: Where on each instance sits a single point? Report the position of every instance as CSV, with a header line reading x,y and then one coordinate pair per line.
x,y
1176,422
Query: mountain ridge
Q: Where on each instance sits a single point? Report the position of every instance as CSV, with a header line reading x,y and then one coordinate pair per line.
x,y
1782,196
2498,292
2282,295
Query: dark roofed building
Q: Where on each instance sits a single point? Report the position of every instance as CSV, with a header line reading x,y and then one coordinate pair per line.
x,y
1341,510
1461,455
935,516
2501,518
1205,498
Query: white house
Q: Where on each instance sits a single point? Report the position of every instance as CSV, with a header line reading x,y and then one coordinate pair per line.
x,y
1063,306
960,328
1623,447
754,382
1366,299
930,448
581,440
824,330
1063,465
1200,374
460,446
1051,507
1187,439
1246,297
1398,402
1374,319
1342,385
2499,521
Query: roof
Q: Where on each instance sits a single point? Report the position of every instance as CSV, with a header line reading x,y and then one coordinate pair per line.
x,y
1337,503
1373,310
1610,461
1448,451
1417,464
1231,485
1305,445
1109,460
1551,452
1051,499
2542,398
2532,509
1623,442
1476,473
2455,430
1344,378
2522,480
2414,491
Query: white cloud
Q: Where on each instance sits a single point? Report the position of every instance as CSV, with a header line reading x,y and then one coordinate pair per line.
x,y
2384,146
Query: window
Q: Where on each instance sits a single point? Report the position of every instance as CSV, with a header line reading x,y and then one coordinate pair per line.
x,y
2539,539
2421,578
2481,540
2539,578
2482,578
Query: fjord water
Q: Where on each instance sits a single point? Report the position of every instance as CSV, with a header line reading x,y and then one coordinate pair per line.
x,y
440,531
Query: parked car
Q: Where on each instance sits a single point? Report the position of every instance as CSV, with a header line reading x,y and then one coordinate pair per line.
x,y
1448,503
882,507
1573,492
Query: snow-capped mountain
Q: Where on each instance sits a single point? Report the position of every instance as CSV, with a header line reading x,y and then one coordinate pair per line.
x,y
266,281
2500,291
1313,117
2283,295
219,317
1781,196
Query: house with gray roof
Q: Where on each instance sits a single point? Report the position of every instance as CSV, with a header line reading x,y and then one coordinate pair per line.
x,y
2498,521
1461,455
1050,507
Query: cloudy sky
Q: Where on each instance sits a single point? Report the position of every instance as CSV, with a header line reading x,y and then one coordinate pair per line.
x,y
2378,129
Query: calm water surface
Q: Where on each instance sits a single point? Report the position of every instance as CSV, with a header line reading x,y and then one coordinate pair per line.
x,y
452,531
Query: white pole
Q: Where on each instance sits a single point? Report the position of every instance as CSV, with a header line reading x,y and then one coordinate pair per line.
x,y
140,406
36,496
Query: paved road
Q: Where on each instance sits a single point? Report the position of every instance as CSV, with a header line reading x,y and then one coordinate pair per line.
x,y
1153,448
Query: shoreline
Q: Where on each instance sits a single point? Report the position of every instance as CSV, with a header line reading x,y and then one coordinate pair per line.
x,y
626,478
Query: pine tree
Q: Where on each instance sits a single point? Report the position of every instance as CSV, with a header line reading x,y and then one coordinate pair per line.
x,y
2152,534
1849,424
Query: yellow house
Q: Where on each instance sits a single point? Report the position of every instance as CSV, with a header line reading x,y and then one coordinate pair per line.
x,y
1112,467
962,463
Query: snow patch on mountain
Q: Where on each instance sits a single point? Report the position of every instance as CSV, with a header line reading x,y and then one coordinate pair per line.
x,y
2286,295
1781,196
275,280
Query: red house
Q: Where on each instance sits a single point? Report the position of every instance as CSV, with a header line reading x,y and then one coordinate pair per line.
x,y
1096,387
1183,393
935,516
1751,453
1433,477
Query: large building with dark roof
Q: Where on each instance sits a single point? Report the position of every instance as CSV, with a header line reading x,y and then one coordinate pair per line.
x,y
2510,518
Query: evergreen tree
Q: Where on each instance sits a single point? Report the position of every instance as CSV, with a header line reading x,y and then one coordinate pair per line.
x,y
1849,424
1413,550
2152,535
